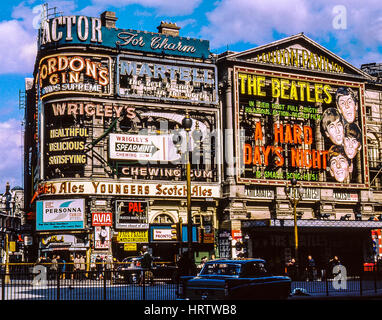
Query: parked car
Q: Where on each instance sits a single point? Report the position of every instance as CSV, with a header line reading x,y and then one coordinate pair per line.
x,y
234,279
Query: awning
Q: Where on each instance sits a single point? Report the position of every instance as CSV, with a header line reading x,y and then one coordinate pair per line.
x,y
313,223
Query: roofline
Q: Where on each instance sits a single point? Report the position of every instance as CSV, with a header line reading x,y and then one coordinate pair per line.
x,y
291,38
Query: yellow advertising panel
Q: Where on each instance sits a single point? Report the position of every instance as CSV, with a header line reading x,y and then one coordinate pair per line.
x,y
133,236
12,246
130,247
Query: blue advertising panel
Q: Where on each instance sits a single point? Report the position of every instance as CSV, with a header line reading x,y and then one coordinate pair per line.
x,y
69,30
65,214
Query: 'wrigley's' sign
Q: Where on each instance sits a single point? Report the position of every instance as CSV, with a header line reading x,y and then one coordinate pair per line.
x,y
89,30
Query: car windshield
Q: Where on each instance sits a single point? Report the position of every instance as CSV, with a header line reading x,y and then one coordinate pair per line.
x,y
227,269
254,269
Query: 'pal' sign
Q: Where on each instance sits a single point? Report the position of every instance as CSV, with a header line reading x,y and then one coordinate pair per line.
x,y
102,219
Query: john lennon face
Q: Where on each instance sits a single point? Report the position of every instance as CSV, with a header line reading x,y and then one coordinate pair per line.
x,y
348,107
335,131
351,146
340,168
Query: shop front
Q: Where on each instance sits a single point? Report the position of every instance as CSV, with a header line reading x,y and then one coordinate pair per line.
x,y
274,241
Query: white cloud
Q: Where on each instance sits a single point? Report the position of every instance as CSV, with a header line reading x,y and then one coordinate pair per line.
x,y
11,153
163,7
259,22
18,48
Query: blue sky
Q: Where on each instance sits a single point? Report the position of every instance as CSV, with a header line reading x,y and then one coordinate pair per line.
x,y
351,29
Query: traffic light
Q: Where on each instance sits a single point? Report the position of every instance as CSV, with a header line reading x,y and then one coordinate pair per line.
x,y
200,234
174,231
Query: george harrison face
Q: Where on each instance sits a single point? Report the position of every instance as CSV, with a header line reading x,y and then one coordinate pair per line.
x,y
351,146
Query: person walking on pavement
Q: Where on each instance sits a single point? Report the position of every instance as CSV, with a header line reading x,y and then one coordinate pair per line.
x,y
99,267
82,267
311,268
146,265
332,263
292,269
77,266
54,267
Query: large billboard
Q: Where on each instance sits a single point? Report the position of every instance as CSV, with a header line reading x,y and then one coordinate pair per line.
x,y
75,73
289,126
166,80
82,30
68,214
142,135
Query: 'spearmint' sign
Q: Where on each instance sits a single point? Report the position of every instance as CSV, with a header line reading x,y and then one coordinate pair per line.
x,y
138,147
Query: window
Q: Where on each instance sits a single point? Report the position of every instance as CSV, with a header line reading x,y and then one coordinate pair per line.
x,y
221,269
163,218
373,151
255,269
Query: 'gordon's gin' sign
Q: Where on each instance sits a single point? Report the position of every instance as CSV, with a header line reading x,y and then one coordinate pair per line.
x,y
75,73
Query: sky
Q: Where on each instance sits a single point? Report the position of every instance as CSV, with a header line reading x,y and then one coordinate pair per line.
x,y
350,29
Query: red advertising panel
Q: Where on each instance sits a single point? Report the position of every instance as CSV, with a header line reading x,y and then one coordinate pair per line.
x,y
310,129
100,219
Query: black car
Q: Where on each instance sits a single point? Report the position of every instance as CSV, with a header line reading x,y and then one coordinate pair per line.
x,y
234,279
129,270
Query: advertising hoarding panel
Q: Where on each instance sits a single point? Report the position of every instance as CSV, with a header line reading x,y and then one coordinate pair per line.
x,y
310,129
143,134
75,73
82,30
166,80
68,214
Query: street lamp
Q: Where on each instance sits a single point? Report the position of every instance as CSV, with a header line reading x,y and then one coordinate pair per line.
x,y
294,193
186,125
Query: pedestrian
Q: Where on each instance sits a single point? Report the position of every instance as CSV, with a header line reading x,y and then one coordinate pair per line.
x,y
202,262
77,266
99,267
146,265
108,266
82,267
70,266
311,268
185,266
93,269
53,267
292,269
335,261
63,268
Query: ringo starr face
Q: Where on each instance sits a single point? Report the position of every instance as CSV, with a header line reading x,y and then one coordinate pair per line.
x,y
339,168
335,132
348,107
351,147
